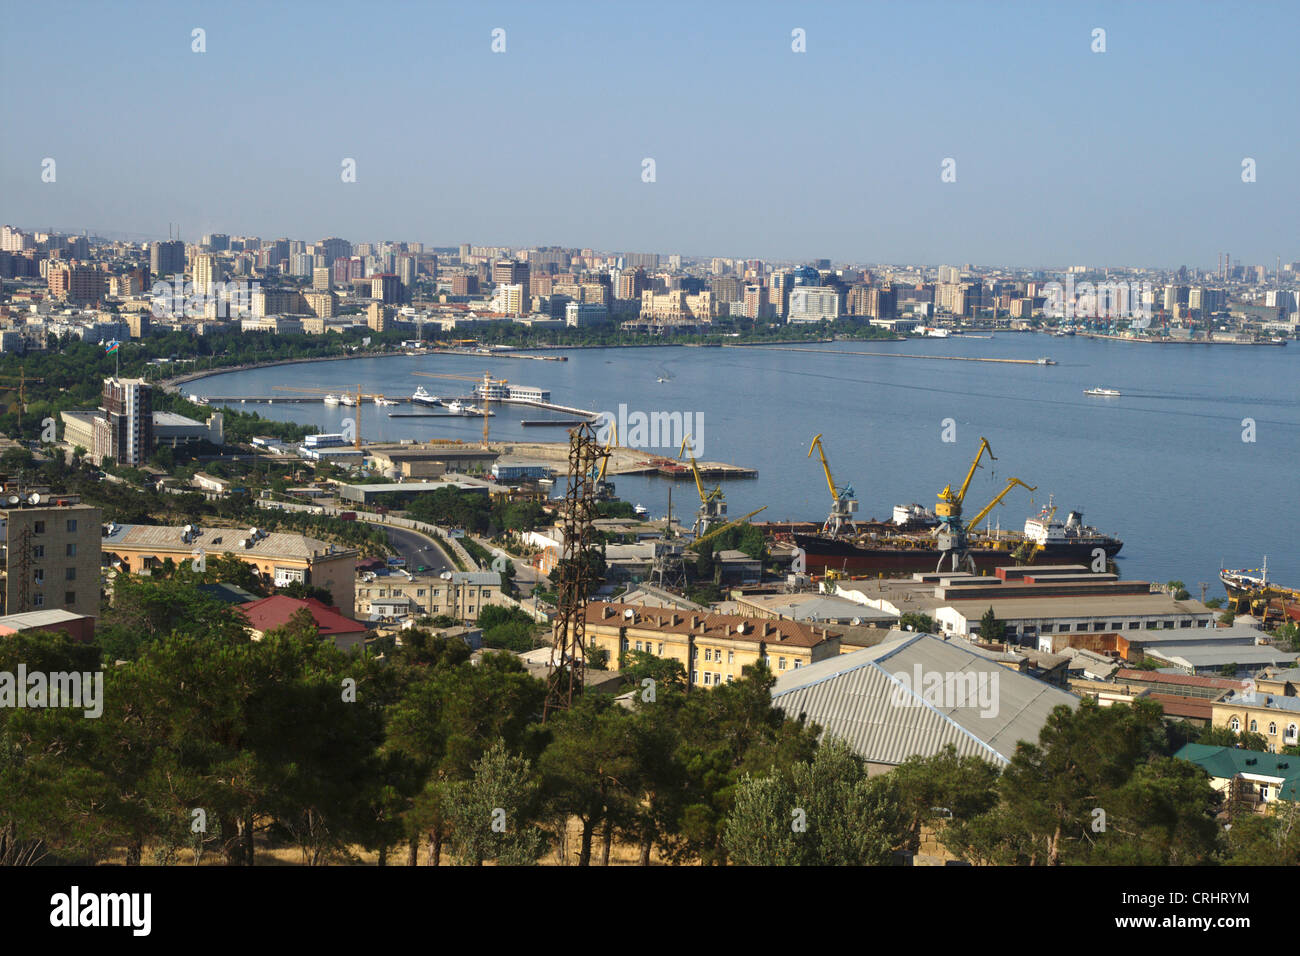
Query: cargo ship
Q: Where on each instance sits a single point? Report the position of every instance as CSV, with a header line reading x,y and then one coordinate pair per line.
x,y
880,549
1251,592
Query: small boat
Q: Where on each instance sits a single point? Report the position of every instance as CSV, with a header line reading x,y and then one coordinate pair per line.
x,y
641,510
1102,392
421,397
380,400
347,400
456,408
331,399
1046,361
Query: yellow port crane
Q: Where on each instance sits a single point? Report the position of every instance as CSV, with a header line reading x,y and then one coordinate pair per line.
x,y
713,504
360,395
604,489
1011,483
843,503
951,532
488,383
726,527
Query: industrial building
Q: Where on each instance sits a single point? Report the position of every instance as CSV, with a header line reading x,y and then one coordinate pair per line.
x,y
879,700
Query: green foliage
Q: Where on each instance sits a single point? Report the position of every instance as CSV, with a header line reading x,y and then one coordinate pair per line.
x,y
917,621
1224,736
823,812
491,815
992,631
508,628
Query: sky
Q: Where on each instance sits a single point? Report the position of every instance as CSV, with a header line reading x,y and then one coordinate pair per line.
x,y
1062,155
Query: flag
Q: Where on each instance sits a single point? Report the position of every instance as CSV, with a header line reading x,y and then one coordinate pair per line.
x,y
113,346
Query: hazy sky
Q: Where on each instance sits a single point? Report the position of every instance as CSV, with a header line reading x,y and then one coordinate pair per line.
x,y
1063,156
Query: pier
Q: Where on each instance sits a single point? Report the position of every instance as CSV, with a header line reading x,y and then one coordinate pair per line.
x,y
935,358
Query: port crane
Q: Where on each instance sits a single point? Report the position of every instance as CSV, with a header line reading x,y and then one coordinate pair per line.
x,y
1011,483
603,489
951,532
843,503
726,527
325,391
713,504
487,381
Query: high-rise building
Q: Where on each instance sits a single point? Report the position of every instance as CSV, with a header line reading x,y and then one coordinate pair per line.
x,y
756,302
76,283
206,270
128,404
387,288
52,554
166,258
809,303
320,279
462,284
217,241
511,272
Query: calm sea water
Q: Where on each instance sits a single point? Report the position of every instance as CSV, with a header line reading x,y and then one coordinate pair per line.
x,y
1164,467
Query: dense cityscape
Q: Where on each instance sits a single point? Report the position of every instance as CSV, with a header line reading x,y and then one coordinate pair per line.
x,y
365,553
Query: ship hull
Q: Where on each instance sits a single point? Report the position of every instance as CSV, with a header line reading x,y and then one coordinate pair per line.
x,y
822,553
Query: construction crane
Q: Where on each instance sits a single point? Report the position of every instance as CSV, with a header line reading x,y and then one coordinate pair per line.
x,y
726,527
21,388
713,504
487,381
843,504
325,391
1011,483
951,532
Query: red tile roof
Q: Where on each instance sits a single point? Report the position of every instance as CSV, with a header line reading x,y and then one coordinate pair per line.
x,y
706,625
276,610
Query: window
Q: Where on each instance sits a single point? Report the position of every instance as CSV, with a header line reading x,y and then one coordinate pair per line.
x,y
40,528
1116,625
1235,724
38,576
695,677
72,526
1272,729
1254,726
624,639
796,664
435,610
38,600
419,592
708,653
708,678
1291,733
38,551
1099,626
1186,623
1134,625
730,678
731,657
780,663
661,647
1167,625
638,645
69,597
70,574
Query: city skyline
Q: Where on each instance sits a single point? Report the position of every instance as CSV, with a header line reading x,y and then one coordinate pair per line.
x,y
528,147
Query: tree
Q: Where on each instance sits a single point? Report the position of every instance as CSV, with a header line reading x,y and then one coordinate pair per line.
x,y
1266,839
1224,736
491,815
916,621
824,812
992,631
1179,590
944,786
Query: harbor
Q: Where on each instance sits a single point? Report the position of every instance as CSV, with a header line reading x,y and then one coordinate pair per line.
x,y
1121,461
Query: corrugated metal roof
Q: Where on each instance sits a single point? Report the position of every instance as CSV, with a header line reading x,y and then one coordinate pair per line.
x,y
868,699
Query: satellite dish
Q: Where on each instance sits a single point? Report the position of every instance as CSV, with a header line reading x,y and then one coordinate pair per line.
x,y
188,528
856,621
35,498
14,499
629,614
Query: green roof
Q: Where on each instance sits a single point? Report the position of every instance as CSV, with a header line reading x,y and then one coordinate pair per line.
x,y
1227,762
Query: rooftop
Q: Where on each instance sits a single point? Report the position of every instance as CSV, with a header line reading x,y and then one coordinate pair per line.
x,y
275,544
277,610
868,699
716,627
1225,763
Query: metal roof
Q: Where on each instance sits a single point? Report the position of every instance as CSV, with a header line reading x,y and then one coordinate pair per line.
x,y
868,699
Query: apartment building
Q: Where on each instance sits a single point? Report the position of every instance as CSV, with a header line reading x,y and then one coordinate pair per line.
x,y
391,595
280,558
51,554
712,648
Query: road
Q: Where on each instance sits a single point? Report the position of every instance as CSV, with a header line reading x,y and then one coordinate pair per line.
x,y
418,549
